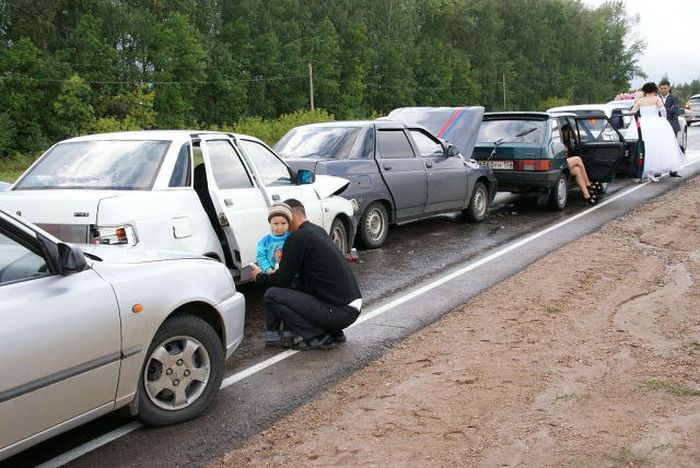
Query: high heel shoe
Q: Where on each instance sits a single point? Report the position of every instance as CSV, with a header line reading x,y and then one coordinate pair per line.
x,y
592,198
653,179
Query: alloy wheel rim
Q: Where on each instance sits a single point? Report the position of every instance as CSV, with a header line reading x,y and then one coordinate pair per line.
x,y
176,373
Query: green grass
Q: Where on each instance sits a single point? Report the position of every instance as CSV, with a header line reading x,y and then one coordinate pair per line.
x,y
552,309
674,388
13,166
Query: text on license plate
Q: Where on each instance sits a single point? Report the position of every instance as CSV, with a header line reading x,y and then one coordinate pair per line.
x,y
504,165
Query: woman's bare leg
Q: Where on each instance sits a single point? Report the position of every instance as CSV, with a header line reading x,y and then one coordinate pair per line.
x,y
577,174
576,161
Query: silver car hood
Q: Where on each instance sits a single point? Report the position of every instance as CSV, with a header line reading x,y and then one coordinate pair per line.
x,y
458,125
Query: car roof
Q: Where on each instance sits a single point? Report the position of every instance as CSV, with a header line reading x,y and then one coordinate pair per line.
x,y
608,108
695,96
165,135
381,123
525,115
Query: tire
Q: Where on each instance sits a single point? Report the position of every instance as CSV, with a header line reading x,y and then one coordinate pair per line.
x,y
175,338
559,194
685,140
339,235
478,204
374,226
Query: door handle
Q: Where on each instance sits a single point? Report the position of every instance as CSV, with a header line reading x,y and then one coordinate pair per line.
x,y
228,201
387,167
276,197
428,164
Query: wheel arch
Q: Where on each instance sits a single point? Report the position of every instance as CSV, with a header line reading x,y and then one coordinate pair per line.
x,y
204,311
349,228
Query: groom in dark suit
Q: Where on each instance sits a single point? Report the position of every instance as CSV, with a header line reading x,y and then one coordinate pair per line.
x,y
673,109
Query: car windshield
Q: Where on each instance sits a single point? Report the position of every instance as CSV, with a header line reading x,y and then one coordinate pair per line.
x,y
318,142
521,131
97,164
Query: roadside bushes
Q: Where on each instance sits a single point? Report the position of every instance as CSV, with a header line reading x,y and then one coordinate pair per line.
x,y
271,130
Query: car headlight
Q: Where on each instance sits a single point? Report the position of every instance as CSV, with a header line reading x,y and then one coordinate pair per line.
x,y
124,234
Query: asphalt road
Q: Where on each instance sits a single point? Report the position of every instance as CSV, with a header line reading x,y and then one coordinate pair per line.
x,y
401,296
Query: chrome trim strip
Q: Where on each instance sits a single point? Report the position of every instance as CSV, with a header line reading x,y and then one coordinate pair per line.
x,y
59,376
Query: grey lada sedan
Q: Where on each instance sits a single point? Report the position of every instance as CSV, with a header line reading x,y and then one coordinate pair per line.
x,y
398,172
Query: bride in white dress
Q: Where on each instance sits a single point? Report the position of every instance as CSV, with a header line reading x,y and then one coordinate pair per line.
x,y
661,151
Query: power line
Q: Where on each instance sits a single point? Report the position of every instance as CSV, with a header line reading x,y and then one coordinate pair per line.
x,y
152,82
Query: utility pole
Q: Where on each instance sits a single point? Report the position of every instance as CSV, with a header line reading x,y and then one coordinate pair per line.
x,y
311,86
504,91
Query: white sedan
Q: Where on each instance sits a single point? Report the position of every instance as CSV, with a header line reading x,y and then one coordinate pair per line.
x,y
202,193
83,333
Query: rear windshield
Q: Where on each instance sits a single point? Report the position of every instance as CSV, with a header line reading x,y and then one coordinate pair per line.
x,y
103,164
522,131
318,142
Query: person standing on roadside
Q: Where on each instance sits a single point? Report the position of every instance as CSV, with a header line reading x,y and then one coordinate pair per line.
x,y
673,109
329,298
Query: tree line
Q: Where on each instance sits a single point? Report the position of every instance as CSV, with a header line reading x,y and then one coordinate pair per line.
x,y
75,66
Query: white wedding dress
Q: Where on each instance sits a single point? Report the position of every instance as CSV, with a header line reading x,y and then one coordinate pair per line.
x,y
661,151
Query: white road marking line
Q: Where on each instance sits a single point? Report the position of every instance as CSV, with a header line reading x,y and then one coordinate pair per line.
x,y
238,376
81,450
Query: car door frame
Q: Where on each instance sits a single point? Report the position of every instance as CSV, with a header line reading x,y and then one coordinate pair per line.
x,y
402,213
314,213
439,176
601,158
242,227
81,387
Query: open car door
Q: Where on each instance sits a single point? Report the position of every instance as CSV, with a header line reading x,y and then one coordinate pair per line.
x,y
601,147
239,208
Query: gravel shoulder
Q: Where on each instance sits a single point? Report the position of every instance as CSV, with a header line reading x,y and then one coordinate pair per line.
x,y
589,357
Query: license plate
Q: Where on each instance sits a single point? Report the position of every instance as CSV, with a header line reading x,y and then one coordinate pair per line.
x,y
498,165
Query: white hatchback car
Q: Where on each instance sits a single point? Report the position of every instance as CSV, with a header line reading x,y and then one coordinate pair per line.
x,y
85,333
203,193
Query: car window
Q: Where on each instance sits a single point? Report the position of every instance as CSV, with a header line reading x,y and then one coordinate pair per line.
x,y
427,145
393,144
229,172
271,169
182,170
511,131
318,142
97,164
18,263
596,129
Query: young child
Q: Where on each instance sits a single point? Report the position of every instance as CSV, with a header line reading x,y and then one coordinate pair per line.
x,y
270,247
269,257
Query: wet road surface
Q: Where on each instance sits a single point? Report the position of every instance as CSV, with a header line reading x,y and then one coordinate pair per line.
x,y
414,255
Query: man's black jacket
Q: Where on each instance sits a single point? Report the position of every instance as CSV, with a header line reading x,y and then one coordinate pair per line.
x,y
325,273
673,110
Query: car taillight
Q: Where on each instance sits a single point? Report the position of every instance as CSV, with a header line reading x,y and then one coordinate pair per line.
x,y
113,235
531,165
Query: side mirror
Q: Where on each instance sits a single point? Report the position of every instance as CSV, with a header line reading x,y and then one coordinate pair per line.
x,y
305,177
70,259
452,151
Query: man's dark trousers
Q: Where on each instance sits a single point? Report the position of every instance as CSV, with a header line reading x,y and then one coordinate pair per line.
x,y
305,314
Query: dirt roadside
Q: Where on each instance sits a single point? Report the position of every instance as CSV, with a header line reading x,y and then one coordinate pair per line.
x,y
590,357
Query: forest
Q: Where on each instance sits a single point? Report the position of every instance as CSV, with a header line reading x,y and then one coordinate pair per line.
x,y
70,67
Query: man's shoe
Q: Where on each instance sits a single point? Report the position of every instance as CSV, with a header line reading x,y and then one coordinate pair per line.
x,y
338,336
323,342
276,339
675,174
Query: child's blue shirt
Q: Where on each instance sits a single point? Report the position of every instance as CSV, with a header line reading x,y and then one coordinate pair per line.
x,y
270,251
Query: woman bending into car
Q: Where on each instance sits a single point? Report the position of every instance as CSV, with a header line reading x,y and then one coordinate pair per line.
x,y
589,191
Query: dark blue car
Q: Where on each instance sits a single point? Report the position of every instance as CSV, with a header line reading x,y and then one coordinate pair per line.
x,y
398,172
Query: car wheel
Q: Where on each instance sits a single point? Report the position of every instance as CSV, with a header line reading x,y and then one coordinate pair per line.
x,y
685,140
478,204
182,373
339,235
559,194
374,225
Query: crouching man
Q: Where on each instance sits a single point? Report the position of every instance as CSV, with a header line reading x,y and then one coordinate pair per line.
x,y
328,300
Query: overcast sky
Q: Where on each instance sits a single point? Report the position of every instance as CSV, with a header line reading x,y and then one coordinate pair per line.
x,y
669,28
